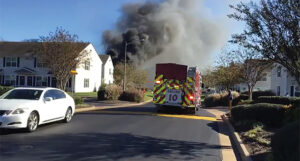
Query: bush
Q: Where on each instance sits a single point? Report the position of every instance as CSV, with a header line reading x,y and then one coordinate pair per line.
x,y
244,102
292,114
133,95
294,101
113,92
101,94
270,114
4,89
256,94
78,100
221,99
244,97
285,143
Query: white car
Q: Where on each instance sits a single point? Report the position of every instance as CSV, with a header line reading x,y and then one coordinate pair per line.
x,y
30,107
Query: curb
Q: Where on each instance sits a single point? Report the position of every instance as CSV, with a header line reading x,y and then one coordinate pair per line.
x,y
245,155
92,108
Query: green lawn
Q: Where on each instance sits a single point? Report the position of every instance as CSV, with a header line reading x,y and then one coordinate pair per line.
x,y
84,94
148,96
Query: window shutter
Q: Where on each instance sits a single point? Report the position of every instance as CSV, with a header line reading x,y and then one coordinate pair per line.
x,y
18,62
3,79
34,63
3,61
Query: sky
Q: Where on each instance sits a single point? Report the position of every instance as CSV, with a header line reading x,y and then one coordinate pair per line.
x,y
30,19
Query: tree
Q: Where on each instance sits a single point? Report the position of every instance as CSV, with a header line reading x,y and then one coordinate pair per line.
x,y
273,29
62,52
224,77
252,66
134,77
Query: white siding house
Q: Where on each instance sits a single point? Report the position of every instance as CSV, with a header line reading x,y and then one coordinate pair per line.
x,y
278,80
20,66
107,69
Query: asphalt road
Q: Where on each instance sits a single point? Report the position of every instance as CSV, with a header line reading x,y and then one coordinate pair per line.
x,y
130,133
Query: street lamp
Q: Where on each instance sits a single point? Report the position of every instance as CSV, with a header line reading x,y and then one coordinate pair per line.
x,y
124,79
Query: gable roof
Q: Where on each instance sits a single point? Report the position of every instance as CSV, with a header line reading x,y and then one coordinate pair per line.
x,y
104,58
21,48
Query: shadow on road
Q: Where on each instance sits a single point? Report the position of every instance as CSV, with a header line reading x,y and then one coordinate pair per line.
x,y
101,146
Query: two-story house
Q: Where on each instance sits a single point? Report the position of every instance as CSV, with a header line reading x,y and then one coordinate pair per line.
x,y
107,69
276,79
21,66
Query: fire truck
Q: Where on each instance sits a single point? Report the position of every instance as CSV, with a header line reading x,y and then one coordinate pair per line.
x,y
177,85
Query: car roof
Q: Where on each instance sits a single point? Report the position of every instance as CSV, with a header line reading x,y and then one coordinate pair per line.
x,y
36,88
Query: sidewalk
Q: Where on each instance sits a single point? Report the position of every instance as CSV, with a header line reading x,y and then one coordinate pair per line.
x,y
227,154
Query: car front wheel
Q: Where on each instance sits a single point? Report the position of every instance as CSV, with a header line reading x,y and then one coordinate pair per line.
x,y
32,122
68,116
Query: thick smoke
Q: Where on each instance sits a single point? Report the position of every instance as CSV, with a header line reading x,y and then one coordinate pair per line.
x,y
169,31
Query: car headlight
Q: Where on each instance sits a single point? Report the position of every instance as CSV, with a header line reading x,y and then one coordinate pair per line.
x,y
19,111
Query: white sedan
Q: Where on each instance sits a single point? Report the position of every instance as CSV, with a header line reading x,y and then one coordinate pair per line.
x,y
30,107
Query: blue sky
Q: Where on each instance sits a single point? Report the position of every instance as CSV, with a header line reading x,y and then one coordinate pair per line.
x,y
29,19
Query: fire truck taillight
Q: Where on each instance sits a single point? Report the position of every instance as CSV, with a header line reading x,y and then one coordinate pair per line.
x,y
191,97
157,82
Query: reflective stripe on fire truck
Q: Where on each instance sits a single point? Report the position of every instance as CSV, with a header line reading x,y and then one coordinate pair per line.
x,y
188,90
159,90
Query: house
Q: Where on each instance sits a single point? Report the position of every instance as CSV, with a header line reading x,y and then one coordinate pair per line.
x,y
107,69
21,66
276,79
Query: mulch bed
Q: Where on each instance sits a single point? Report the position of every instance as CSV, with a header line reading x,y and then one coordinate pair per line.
x,y
258,151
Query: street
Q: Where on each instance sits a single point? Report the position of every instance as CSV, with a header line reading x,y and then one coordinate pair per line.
x,y
129,133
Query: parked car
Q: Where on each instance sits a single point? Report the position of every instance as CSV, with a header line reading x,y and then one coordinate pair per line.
x,y
30,107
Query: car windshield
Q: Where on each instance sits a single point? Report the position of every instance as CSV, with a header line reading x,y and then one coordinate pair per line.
x,y
28,94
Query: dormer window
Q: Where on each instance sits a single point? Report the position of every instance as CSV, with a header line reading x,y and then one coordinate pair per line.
x,y
278,71
41,64
11,62
87,65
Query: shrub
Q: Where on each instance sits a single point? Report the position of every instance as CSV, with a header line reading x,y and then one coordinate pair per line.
x,y
244,102
4,89
221,99
78,100
256,94
294,101
285,143
292,114
133,95
101,94
244,97
113,92
270,114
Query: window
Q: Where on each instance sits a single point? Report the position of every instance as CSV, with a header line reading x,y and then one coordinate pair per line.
x,y
278,90
110,72
40,64
55,94
87,65
59,94
24,94
263,77
29,81
86,83
41,81
278,71
11,62
10,80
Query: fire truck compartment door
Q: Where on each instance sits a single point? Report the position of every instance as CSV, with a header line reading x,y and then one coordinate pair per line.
x,y
173,96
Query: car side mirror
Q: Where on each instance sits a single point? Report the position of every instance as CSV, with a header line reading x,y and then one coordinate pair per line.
x,y
47,99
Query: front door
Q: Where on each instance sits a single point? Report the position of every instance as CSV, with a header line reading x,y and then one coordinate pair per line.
x,y
292,91
22,80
